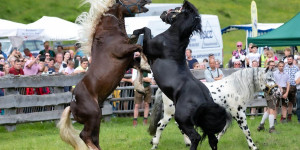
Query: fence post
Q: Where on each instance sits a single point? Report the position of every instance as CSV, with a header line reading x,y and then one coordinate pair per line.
x,y
10,111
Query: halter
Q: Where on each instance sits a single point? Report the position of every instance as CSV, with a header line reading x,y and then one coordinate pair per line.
x,y
270,88
128,6
111,15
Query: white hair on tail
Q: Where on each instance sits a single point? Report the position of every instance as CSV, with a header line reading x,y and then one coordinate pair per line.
x,y
89,20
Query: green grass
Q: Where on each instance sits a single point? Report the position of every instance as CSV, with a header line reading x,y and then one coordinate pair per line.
x,y
229,12
119,134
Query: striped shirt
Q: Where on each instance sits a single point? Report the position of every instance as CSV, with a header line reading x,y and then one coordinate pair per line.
x,y
291,71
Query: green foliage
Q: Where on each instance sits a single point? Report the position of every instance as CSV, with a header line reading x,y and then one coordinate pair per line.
x,y
118,134
229,12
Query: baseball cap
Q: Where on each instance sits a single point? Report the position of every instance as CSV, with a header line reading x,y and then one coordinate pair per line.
x,y
239,43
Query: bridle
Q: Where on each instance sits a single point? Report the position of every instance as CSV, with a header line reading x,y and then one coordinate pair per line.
x,y
130,5
268,88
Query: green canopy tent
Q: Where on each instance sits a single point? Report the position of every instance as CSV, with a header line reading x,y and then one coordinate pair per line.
x,y
286,35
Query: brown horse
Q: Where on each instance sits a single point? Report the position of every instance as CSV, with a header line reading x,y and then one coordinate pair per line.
x,y
112,54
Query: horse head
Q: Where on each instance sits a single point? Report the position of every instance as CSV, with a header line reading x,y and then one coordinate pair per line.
x,y
271,86
187,17
266,82
132,7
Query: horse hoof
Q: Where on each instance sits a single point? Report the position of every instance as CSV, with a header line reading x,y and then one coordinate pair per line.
x,y
151,142
187,145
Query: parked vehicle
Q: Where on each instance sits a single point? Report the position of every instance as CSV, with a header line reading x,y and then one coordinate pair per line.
x,y
35,46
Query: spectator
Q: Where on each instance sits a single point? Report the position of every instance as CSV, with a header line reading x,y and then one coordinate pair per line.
x,y
263,57
6,68
271,57
218,63
31,66
196,65
59,49
2,62
17,68
189,58
250,47
205,61
2,53
239,54
59,59
211,56
291,70
70,68
14,55
78,51
212,73
66,58
77,60
71,54
288,52
271,102
51,68
138,97
83,66
47,50
237,64
254,64
42,68
297,78
253,55
282,80
47,58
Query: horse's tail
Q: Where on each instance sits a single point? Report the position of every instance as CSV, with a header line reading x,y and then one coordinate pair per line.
x,y
211,118
156,112
68,133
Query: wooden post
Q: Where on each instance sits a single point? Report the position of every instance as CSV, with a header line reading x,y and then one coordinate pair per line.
x,y
10,111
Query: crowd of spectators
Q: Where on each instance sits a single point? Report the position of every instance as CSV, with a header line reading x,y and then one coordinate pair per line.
x,y
46,62
285,70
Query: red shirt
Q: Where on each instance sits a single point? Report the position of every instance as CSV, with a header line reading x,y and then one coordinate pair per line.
x,y
13,71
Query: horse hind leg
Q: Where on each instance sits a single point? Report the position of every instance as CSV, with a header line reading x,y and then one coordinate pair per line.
x,y
242,122
213,141
169,111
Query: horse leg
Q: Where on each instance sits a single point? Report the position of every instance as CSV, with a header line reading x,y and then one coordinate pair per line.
x,y
213,141
186,126
169,111
241,119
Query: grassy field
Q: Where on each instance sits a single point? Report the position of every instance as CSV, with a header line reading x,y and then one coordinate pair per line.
x,y
229,12
119,134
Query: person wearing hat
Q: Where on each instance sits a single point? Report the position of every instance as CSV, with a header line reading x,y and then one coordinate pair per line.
x,y
47,50
239,54
253,55
2,53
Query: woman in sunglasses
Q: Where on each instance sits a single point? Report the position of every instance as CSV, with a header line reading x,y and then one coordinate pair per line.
x,y
239,54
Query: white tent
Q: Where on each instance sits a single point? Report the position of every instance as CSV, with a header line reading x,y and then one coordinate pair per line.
x,y
9,28
56,29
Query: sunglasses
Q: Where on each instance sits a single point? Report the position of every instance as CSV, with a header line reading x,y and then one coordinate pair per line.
x,y
47,55
239,45
237,64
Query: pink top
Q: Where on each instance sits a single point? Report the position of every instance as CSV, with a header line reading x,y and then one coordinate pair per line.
x,y
33,70
2,73
69,70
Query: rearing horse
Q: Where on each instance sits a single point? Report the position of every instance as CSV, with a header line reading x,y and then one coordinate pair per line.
x,y
112,54
192,99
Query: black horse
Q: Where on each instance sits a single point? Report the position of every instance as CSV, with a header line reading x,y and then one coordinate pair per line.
x,y
166,55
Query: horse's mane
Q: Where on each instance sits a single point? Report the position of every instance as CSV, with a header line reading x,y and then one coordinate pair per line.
x,y
245,81
90,20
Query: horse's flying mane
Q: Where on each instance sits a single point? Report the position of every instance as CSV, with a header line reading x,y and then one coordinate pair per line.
x,y
89,20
